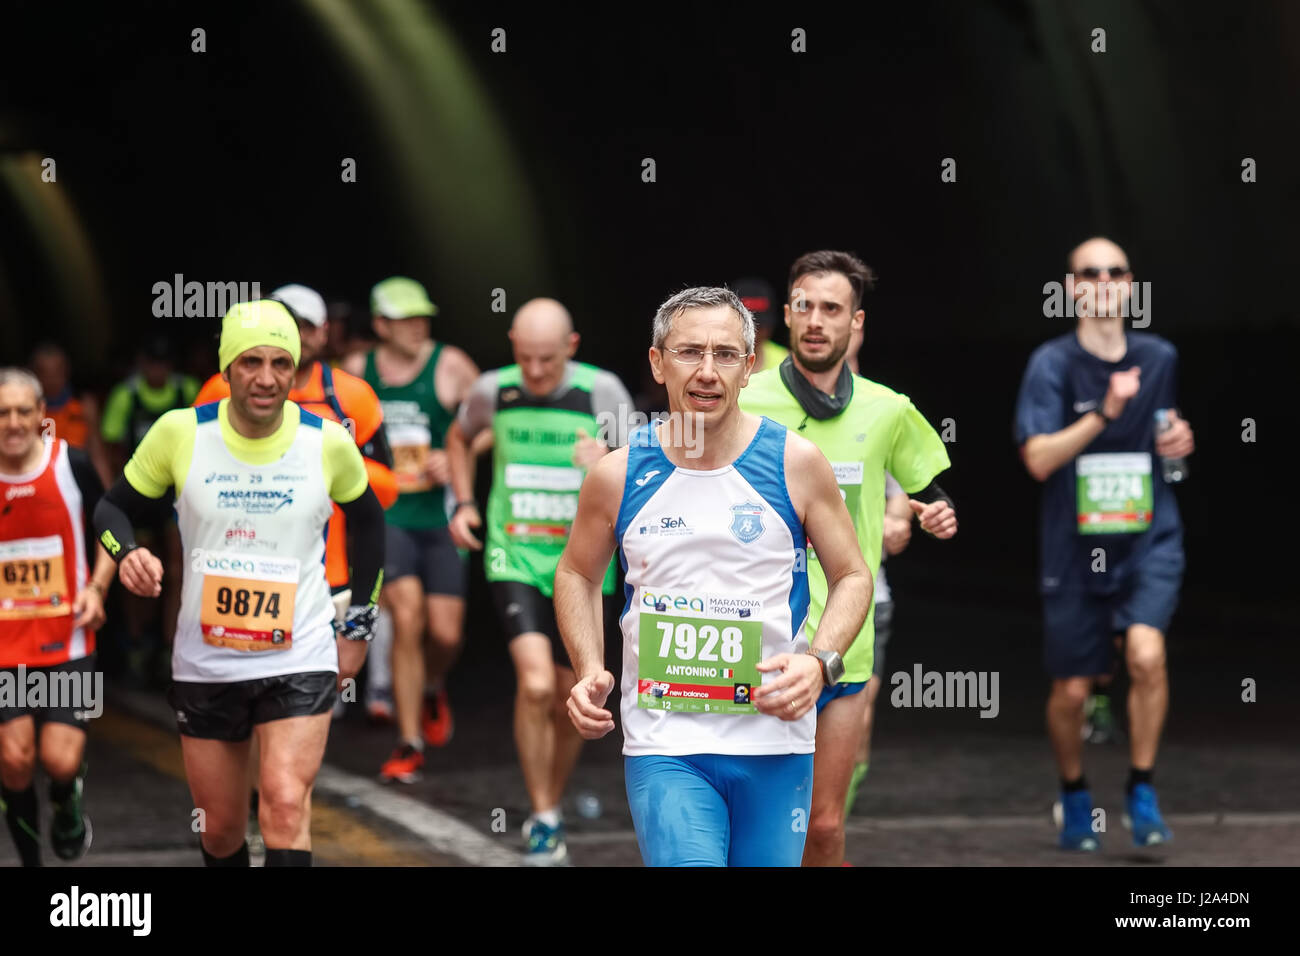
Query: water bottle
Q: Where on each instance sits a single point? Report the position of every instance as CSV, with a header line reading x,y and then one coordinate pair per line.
x,y
589,806
1173,470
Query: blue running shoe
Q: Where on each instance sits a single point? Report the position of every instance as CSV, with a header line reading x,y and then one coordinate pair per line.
x,y
1076,822
546,846
1144,817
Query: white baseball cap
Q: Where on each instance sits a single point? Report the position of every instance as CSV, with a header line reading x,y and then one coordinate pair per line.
x,y
304,303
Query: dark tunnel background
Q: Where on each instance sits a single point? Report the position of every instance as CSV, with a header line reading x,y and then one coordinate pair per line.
x,y
522,170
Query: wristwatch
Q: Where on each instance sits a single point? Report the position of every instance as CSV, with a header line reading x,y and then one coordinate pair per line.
x,y
468,503
832,665
1101,410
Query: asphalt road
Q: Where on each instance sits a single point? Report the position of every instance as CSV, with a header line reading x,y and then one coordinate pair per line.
x,y
946,787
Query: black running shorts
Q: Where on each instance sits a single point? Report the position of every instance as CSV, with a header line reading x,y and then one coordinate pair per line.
x,y
229,710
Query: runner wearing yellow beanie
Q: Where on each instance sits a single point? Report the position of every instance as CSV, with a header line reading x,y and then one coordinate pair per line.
x,y
250,324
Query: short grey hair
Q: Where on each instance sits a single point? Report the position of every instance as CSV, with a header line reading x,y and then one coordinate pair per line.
x,y
20,376
702,297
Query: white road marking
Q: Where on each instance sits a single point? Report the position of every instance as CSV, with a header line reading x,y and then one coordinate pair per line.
x,y
439,831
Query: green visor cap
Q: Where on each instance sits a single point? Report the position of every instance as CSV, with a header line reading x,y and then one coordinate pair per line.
x,y
401,298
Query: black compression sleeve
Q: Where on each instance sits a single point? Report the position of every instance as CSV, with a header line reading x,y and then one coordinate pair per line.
x,y
932,493
377,448
114,517
365,530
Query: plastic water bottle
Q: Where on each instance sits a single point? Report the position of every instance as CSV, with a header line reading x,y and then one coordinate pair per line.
x,y
589,805
1173,470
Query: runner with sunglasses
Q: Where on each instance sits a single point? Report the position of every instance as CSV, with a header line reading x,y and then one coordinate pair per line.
x,y
1111,540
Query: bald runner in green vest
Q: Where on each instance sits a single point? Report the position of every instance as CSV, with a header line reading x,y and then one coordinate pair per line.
x,y
551,419
864,429
420,383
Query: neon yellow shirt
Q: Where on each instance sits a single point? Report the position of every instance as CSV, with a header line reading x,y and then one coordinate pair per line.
x,y
880,430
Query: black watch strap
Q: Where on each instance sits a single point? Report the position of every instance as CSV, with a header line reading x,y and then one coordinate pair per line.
x,y
468,503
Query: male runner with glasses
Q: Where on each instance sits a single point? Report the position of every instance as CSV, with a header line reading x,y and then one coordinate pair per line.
x,y
720,677
1110,537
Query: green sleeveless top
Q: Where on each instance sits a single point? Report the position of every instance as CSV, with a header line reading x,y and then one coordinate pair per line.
x,y
416,423
535,484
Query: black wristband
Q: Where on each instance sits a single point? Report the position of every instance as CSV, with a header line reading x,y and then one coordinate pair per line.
x,y
1100,411
469,503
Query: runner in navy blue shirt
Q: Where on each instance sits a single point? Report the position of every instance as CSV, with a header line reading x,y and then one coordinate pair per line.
x,y
1111,540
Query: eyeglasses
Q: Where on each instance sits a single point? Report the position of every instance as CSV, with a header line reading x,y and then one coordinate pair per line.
x,y
726,358
1112,272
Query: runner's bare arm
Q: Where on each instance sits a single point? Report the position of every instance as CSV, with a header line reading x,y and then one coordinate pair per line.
x,y
458,373
1044,454
577,593
460,462
582,567
816,494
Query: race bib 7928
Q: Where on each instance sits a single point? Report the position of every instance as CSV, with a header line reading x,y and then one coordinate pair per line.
x,y
698,653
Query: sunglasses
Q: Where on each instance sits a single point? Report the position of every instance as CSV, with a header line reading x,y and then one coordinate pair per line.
x,y
1092,272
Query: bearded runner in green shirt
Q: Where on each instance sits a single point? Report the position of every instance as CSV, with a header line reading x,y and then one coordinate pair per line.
x,y
863,429
545,414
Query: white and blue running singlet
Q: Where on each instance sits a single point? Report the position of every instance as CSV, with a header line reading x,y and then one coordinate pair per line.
x,y
715,582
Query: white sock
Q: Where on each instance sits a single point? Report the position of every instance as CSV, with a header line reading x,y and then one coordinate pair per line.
x,y
551,817
379,673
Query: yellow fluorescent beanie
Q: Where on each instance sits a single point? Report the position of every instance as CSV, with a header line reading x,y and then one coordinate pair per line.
x,y
250,324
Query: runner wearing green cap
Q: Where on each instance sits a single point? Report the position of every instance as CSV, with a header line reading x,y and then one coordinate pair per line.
x,y
420,384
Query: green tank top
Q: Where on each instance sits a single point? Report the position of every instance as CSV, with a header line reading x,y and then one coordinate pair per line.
x,y
416,423
535,484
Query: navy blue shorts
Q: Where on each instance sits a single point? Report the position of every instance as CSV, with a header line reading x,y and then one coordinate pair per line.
x,y
1079,628
839,690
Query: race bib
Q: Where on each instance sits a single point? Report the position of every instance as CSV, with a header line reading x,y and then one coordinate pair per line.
x,y
248,601
32,580
1114,493
848,475
543,500
699,654
411,446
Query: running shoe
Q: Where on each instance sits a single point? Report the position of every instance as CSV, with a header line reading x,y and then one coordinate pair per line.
x,y
545,845
859,774
70,830
435,719
379,706
1098,720
1074,820
1143,817
403,766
